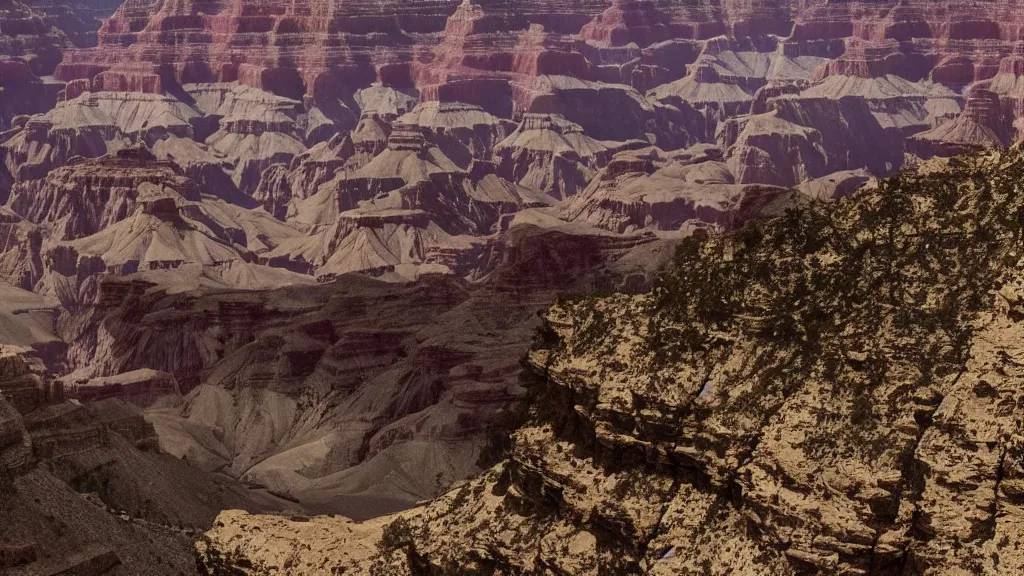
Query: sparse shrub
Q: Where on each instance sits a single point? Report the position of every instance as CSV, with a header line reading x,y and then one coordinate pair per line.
x,y
397,535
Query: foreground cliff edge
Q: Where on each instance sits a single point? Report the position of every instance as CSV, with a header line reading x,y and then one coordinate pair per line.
x,y
834,391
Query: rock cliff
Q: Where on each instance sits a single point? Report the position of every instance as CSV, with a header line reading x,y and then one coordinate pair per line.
x,y
674,71
126,212
33,37
832,391
84,490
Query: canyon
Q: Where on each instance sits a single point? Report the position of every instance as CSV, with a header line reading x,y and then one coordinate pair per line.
x,y
330,257
799,412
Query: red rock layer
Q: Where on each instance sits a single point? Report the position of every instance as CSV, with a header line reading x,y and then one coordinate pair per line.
x,y
33,37
293,48
486,51
638,22
27,35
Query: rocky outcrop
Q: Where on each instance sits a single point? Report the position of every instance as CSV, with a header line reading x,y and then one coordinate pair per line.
x,y
773,150
23,380
20,263
84,488
85,492
901,107
142,387
549,153
27,34
83,198
210,170
30,47
464,133
246,131
679,192
168,232
15,453
843,429
129,212
806,137
980,127
410,206
40,144
835,186
257,130
384,196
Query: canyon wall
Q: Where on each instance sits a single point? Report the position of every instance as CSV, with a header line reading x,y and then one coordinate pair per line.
x,y
83,488
34,35
777,86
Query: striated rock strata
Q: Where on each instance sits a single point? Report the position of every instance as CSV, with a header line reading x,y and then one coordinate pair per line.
x,y
357,395
84,489
34,34
779,86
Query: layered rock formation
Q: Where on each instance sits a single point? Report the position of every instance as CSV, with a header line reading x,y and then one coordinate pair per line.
x,y
355,396
549,153
128,212
831,391
33,37
410,206
29,47
24,382
979,127
83,198
83,489
277,106
142,388
299,110
707,62
649,189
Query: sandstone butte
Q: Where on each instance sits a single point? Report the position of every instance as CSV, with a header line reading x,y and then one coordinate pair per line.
x,y
305,246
